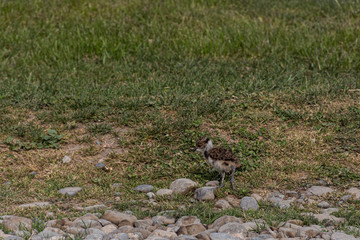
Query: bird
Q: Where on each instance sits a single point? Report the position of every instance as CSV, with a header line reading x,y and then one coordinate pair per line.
x,y
223,160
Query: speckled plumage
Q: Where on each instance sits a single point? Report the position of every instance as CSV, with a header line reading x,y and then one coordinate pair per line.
x,y
221,159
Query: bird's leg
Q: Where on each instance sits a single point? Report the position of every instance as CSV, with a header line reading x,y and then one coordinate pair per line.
x,y
222,179
232,177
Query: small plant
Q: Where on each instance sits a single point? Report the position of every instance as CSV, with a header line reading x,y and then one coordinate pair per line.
x,y
49,140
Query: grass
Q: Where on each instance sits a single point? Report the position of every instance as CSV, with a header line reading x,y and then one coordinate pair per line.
x,y
135,83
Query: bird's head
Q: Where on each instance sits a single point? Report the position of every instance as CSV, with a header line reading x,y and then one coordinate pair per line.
x,y
203,144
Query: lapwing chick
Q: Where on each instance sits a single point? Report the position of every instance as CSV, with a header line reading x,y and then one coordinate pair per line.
x,y
221,159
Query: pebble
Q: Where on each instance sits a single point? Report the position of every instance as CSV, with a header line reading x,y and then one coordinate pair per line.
x,y
66,159
323,204
100,165
33,174
144,188
183,186
95,207
118,218
249,203
223,236
150,195
204,193
70,191
355,192
164,192
319,190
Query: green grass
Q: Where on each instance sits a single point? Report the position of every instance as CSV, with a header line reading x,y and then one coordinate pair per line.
x,y
144,79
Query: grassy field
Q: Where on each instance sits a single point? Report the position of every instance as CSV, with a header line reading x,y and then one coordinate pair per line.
x,y
135,83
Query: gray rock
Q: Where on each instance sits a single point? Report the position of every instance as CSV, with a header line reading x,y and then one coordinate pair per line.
x,y
275,194
104,222
187,221
257,197
96,207
223,236
182,186
143,223
342,236
86,223
164,192
163,220
35,204
323,204
185,237
222,204
204,193
346,198
150,195
66,159
212,183
288,232
224,220
283,204
308,232
233,227
116,185
33,174
89,216
50,232
75,230
119,218
329,218
13,238
94,237
95,231
319,190
109,228
355,192
144,188
12,223
117,236
70,191
162,234
249,203
100,165
294,194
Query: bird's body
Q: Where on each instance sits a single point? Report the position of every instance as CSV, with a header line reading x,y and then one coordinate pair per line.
x,y
221,159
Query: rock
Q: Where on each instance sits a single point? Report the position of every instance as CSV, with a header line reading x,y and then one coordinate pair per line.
x,y
75,230
346,198
234,201
329,218
323,204
117,236
100,165
35,204
288,232
296,222
88,216
182,186
193,229
185,237
163,220
50,232
33,174
10,237
119,218
319,190
224,220
355,192
162,234
222,236
342,236
222,204
233,227
49,215
66,159
143,223
94,237
294,194
164,192
92,230
283,204
95,208
12,223
109,228
308,232
86,223
275,194
144,188
205,235
249,203
150,195
204,193
70,191
329,210
212,183
257,197
116,185
187,221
